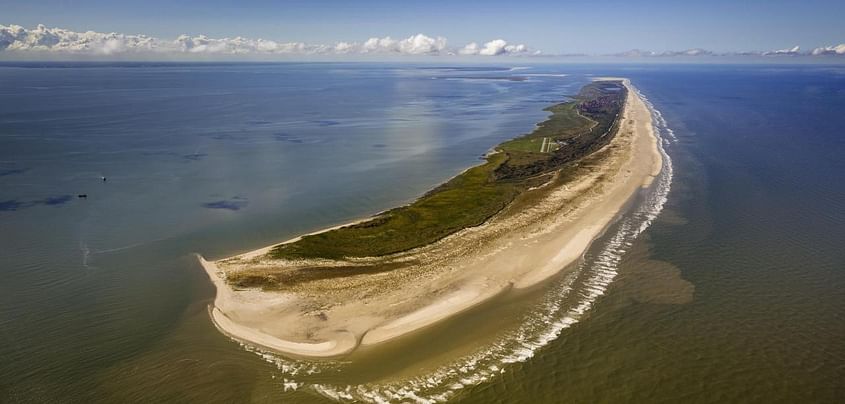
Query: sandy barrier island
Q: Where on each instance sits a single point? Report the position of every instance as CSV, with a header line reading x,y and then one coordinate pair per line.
x,y
533,239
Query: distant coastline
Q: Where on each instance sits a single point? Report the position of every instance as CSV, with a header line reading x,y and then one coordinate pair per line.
x,y
545,206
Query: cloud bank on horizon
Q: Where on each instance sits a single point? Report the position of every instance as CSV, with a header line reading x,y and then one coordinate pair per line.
x,y
43,40
15,38
838,50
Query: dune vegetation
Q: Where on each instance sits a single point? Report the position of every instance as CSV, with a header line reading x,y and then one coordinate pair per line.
x,y
574,130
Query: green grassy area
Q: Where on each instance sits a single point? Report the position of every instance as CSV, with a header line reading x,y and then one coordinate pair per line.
x,y
527,144
474,196
466,200
564,122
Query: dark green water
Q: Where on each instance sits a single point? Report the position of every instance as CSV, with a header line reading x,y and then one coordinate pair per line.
x,y
733,294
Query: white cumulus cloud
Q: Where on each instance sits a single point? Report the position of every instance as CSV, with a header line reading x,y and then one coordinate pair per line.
x,y
830,50
419,44
379,44
795,50
471,48
15,38
41,38
493,48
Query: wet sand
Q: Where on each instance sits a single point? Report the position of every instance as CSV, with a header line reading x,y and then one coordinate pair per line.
x,y
543,232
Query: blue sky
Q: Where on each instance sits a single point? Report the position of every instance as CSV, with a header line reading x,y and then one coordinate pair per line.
x,y
551,26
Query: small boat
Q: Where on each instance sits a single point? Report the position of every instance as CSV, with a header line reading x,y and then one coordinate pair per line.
x,y
82,195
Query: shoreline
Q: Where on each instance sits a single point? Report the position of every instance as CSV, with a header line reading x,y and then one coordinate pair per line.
x,y
522,249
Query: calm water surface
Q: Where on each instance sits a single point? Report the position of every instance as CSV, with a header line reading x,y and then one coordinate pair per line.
x,y
735,292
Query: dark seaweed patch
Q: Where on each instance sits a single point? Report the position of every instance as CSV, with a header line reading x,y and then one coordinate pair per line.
x,y
287,137
233,204
194,156
291,138
56,200
12,171
11,205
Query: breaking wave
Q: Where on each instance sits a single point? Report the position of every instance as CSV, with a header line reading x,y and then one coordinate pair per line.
x,y
562,306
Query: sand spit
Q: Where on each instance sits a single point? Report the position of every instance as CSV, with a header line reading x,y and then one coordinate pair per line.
x,y
543,232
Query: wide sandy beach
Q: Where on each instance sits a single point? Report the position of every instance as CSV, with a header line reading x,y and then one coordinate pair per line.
x,y
542,233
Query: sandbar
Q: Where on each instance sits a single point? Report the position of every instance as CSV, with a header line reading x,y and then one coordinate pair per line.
x,y
537,237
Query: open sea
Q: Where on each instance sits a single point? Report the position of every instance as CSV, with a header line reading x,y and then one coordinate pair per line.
x,y
723,282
